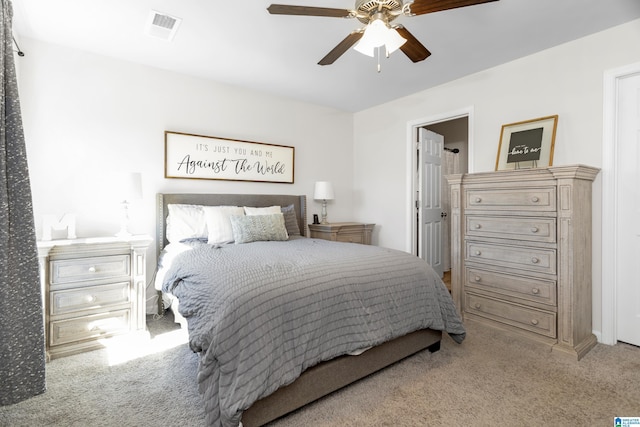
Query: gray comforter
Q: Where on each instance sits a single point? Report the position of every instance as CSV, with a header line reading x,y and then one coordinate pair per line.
x,y
261,313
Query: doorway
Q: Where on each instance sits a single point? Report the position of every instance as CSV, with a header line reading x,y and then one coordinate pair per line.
x,y
455,129
620,206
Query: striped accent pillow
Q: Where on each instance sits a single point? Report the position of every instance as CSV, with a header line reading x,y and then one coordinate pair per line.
x,y
254,228
291,220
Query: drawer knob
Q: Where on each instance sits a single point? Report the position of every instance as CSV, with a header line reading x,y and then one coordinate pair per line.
x,y
90,298
535,291
478,253
534,229
477,306
477,226
535,260
477,278
534,199
534,322
92,269
478,199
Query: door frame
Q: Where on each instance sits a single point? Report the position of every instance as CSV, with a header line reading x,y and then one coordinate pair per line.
x,y
411,159
609,279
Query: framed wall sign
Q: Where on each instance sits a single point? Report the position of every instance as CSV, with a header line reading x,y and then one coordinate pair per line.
x,y
209,157
527,144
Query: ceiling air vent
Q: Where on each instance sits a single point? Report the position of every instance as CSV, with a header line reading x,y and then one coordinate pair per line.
x,y
162,26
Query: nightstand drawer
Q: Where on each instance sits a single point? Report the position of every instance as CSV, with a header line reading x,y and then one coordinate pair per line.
x,y
534,199
526,288
87,298
350,238
348,232
516,228
538,321
89,327
82,269
524,258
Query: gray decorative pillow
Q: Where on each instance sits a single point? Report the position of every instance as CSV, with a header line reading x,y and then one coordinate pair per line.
x,y
291,220
254,228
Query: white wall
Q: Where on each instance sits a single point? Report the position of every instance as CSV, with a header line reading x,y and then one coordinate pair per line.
x,y
85,114
566,80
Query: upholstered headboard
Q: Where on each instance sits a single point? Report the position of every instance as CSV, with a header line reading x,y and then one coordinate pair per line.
x,y
257,200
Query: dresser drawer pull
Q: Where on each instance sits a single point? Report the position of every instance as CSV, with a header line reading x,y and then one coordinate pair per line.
x,y
477,306
90,298
477,226
535,291
477,279
534,229
478,253
535,260
92,269
534,199
534,322
478,199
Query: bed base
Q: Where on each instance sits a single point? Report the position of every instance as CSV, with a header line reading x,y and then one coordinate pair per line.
x,y
334,374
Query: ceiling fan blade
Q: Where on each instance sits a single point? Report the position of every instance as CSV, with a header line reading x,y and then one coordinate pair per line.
x,y
341,48
420,7
285,9
412,48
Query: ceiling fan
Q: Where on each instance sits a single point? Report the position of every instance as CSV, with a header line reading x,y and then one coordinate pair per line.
x,y
377,16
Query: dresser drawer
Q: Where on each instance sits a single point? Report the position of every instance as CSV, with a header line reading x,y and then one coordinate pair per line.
x,y
524,258
350,237
526,288
83,269
516,228
88,327
542,199
90,297
530,319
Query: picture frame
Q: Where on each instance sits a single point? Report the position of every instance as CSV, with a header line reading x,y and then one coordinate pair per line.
x,y
208,157
527,144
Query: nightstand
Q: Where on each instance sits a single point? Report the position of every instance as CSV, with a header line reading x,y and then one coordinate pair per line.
x,y
351,232
93,288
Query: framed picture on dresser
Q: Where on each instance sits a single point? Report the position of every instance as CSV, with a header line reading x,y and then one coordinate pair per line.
x,y
527,144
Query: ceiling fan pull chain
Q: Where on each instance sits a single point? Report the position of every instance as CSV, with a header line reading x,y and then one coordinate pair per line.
x,y
378,55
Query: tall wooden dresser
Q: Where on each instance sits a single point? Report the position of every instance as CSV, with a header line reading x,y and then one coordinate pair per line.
x,y
521,252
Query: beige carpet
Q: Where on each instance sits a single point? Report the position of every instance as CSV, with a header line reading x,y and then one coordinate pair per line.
x,y
491,379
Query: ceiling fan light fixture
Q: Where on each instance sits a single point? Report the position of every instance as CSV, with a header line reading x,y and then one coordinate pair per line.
x,y
374,36
377,34
394,41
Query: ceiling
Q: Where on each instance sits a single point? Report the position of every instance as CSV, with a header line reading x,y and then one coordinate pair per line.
x,y
238,42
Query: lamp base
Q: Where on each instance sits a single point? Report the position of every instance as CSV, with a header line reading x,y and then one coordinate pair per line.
x,y
124,222
123,234
324,213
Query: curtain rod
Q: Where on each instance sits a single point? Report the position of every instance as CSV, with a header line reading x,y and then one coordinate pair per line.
x,y
20,52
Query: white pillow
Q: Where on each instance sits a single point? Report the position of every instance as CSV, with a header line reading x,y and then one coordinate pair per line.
x,y
219,224
185,222
271,210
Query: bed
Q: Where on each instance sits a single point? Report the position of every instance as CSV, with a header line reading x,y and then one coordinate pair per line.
x,y
280,322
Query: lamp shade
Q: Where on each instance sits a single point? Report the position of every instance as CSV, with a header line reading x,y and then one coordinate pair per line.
x,y
394,41
128,186
376,34
323,191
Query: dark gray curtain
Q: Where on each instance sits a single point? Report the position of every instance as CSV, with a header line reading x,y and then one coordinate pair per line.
x,y
22,359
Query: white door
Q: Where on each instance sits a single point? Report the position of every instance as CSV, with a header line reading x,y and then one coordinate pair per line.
x,y
431,212
628,221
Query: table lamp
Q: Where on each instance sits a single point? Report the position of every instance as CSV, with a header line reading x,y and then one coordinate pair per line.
x,y
323,191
